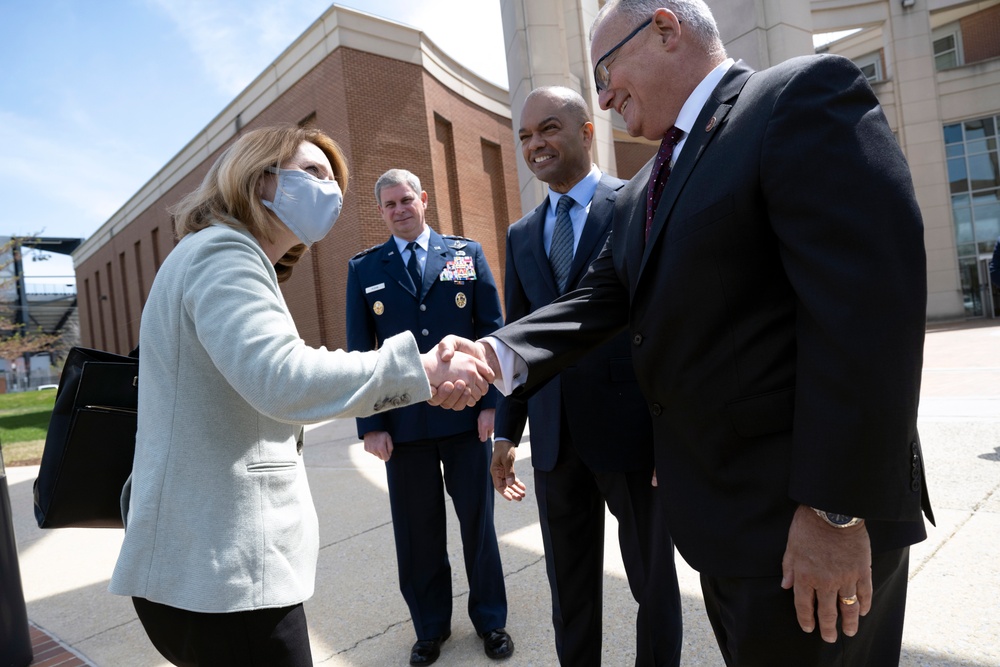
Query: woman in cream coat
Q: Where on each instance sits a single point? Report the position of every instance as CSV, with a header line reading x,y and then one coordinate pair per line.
x,y
221,536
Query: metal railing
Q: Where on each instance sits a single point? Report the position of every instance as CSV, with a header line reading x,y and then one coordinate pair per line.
x,y
17,382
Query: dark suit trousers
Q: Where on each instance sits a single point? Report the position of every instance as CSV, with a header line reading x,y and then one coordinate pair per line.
x,y
571,502
416,498
755,624
257,638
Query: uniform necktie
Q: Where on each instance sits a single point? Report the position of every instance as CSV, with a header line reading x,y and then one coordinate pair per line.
x,y
413,267
660,174
561,250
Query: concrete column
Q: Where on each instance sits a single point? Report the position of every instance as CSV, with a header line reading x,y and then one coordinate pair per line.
x,y
921,136
764,32
548,44
604,144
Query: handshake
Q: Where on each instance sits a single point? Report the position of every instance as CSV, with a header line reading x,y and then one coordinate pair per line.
x,y
460,371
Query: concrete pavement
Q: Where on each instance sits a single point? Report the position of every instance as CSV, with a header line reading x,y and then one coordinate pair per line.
x,y
357,616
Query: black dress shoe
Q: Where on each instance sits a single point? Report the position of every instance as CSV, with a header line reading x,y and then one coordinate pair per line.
x,y
497,644
426,651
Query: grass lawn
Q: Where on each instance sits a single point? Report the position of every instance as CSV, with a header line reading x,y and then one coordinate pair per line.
x,y
24,420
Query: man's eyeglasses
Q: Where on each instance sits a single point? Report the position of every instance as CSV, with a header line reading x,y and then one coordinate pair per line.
x,y
601,74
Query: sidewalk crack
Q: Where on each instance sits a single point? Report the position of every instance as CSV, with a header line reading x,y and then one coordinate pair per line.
x,y
397,624
959,526
352,536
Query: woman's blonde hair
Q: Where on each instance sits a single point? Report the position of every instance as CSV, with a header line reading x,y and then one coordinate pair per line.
x,y
230,191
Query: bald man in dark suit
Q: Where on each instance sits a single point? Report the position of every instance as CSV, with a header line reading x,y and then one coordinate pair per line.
x,y
591,438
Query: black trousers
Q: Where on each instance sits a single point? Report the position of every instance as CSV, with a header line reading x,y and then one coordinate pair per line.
x,y
571,499
755,624
259,638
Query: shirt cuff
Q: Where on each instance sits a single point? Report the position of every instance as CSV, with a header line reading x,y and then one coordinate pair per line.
x,y
513,369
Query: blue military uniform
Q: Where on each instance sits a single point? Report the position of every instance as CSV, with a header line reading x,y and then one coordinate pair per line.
x,y
458,296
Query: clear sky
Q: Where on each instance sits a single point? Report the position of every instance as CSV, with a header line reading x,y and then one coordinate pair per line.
x,y
97,95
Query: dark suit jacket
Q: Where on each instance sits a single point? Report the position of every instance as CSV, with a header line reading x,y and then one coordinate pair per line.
x,y
776,316
382,302
607,416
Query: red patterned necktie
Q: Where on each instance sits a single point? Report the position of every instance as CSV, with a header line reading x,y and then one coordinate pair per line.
x,y
661,172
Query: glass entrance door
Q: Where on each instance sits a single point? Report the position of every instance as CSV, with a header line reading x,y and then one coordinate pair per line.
x,y
972,286
990,300
982,297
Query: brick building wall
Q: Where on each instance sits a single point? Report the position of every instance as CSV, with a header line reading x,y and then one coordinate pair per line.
x,y
384,113
474,173
981,35
630,157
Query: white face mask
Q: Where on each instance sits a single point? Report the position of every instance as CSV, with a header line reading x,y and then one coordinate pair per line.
x,y
307,205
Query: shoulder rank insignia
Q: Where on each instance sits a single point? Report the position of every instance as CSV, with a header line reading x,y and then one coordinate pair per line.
x,y
365,252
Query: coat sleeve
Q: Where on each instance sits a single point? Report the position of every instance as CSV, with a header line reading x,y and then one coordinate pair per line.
x,y
231,295
361,336
488,315
851,243
512,412
557,335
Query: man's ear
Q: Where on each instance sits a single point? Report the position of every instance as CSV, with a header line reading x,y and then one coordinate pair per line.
x,y
667,26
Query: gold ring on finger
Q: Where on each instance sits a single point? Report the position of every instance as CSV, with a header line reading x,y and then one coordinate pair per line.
x,y
849,601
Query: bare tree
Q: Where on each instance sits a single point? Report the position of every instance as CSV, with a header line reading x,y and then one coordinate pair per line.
x,y
17,339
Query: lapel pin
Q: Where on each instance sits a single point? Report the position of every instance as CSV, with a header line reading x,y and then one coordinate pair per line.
x,y
711,124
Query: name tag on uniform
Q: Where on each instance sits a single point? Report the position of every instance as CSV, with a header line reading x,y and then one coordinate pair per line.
x,y
374,288
459,269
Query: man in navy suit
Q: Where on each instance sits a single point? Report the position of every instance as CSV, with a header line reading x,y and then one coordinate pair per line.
x,y
591,437
431,285
769,267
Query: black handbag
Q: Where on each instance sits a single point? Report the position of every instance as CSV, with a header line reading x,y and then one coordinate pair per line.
x,y
90,442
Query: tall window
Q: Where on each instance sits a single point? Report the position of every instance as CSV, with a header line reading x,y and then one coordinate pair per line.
x,y
449,202
138,274
974,178
123,272
155,234
947,47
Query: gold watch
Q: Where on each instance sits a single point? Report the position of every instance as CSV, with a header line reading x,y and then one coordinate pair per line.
x,y
838,520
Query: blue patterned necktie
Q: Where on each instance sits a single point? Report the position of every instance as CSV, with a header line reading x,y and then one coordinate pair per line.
x,y
413,267
561,250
